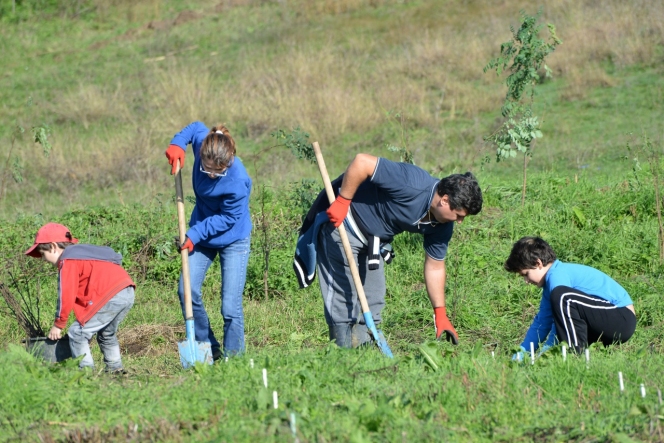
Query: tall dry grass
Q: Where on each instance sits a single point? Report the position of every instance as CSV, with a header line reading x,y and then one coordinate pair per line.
x,y
90,103
596,34
427,64
314,89
350,76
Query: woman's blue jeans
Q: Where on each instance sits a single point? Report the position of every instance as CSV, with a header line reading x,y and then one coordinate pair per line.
x,y
233,259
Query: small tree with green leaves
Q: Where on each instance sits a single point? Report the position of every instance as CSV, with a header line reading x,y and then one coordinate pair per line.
x,y
523,57
297,141
405,154
266,219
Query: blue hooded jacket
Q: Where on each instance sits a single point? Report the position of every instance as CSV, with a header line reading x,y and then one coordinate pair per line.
x,y
221,214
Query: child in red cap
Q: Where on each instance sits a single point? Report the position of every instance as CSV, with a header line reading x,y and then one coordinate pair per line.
x,y
92,283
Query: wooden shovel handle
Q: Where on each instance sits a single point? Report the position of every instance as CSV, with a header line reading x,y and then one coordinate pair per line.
x,y
184,254
342,231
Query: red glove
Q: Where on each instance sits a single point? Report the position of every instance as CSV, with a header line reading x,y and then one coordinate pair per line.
x,y
338,210
174,153
443,324
188,245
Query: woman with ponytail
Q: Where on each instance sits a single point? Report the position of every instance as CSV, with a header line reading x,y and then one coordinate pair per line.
x,y
220,224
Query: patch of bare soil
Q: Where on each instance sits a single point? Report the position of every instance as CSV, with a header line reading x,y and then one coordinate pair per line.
x,y
160,430
148,340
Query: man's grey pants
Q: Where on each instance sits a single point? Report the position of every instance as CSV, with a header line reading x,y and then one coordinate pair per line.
x,y
343,312
105,324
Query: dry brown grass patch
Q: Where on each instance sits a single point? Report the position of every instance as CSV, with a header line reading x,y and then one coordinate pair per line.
x,y
149,340
580,81
88,103
156,430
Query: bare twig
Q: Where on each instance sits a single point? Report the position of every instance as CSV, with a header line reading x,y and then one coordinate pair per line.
x,y
30,328
29,307
21,303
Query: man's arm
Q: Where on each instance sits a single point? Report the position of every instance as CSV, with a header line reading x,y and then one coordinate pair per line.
x,y
361,168
434,278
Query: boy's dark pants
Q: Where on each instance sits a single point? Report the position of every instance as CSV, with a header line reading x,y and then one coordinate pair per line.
x,y
582,319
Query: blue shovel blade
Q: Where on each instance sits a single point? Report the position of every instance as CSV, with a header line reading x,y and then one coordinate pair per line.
x,y
378,335
192,351
382,343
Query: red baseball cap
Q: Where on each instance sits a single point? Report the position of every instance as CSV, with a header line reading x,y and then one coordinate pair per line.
x,y
50,233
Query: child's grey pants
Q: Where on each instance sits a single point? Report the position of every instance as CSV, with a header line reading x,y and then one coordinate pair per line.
x,y
105,324
343,312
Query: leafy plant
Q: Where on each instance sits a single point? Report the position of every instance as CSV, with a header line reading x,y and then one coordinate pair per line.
x,y
275,228
301,196
523,57
270,221
297,141
405,154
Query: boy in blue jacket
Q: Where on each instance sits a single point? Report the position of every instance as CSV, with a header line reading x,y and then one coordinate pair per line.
x,y
580,304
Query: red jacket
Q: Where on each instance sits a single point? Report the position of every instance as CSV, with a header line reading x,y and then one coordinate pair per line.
x,y
89,276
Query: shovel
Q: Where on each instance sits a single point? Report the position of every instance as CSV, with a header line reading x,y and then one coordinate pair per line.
x,y
378,336
191,351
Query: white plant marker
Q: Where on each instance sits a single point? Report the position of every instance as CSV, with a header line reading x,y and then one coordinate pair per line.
x,y
293,428
643,390
275,400
564,353
622,385
532,353
265,377
226,359
493,355
587,356
292,424
251,363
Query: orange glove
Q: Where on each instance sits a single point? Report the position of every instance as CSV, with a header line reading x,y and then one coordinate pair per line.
x,y
173,153
443,324
188,245
338,210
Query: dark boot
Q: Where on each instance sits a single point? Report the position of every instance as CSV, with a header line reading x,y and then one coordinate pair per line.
x,y
349,335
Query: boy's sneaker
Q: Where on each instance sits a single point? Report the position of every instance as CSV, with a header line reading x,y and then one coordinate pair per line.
x,y
216,354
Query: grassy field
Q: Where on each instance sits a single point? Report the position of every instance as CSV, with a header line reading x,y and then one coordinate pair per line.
x,y
114,80
472,392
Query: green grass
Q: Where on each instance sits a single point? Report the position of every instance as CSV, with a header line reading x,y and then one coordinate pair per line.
x,y
359,395
342,77
342,395
112,108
